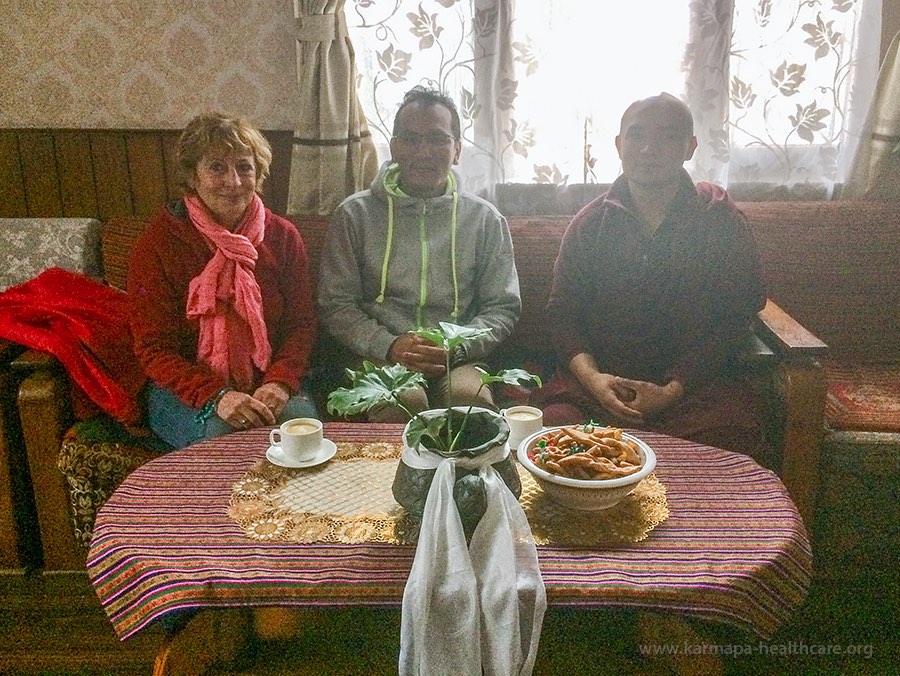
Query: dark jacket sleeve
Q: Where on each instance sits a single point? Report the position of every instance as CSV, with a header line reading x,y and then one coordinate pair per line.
x,y
736,292
567,292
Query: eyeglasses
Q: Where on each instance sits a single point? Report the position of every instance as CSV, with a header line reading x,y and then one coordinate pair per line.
x,y
434,139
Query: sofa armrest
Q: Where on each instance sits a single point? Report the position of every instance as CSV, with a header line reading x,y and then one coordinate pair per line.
x,y
19,545
800,390
778,330
45,413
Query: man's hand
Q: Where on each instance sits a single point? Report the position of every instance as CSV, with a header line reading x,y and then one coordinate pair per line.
x,y
418,354
243,411
650,398
605,388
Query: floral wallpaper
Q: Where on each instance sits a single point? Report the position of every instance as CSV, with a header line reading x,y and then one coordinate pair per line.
x,y
131,64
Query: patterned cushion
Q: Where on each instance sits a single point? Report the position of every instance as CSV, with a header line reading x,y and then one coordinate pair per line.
x,y
863,397
31,245
95,457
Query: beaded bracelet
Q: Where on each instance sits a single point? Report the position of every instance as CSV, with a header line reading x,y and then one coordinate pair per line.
x,y
209,408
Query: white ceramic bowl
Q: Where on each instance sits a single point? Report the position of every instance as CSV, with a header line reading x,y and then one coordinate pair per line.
x,y
584,494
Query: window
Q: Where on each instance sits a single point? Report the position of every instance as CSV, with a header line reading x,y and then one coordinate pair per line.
x,y
778,88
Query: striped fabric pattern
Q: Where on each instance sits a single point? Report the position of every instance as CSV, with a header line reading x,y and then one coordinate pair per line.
x,y
733,550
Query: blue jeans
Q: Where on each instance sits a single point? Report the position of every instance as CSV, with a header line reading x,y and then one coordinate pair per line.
x,y
177,424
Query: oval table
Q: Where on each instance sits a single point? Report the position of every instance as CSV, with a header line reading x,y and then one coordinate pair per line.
x,y
733,549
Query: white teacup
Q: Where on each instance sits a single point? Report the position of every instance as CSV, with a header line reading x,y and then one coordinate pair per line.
x,y
523,421
299,438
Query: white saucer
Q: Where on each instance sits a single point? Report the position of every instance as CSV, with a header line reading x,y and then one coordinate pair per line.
x,y
326,452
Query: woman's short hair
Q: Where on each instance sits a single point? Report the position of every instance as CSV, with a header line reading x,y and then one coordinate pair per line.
x,y
216,131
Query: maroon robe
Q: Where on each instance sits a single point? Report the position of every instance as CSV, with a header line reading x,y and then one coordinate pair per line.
x,y
674,305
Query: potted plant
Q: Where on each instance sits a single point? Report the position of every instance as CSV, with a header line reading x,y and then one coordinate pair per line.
x,y
449,432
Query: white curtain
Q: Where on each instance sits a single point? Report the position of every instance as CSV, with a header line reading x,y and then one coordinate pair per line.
x,y
876,168
333,155
779,89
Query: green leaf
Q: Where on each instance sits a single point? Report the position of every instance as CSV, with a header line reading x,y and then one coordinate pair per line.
x,y
433,335
372,385
420,428
449,336
510,377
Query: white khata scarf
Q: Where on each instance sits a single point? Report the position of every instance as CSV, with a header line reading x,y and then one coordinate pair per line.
x,y
476,609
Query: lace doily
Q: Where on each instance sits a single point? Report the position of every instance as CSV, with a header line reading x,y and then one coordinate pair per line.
x,y
349,500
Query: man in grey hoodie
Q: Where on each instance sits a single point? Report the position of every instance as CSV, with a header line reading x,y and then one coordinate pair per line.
x,y
412,251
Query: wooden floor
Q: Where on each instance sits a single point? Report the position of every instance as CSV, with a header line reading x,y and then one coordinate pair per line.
x,y
53,625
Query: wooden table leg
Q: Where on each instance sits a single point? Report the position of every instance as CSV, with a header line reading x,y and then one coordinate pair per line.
x,y
210,637
161,662
677,646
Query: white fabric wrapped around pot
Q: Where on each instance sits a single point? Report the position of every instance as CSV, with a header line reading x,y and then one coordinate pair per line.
x,y
476,609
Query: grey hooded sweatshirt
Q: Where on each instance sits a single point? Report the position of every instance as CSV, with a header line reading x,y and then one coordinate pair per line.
x,y
394,263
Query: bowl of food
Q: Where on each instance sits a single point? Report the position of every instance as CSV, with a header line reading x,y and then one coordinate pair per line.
x,y
586,467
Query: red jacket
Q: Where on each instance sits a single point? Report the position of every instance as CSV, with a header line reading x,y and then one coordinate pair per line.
x,y
169,254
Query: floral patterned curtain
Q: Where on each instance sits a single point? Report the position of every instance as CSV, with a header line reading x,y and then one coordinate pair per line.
x,y
333,155
779,88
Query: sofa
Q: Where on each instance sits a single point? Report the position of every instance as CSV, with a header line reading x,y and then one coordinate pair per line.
x,y
28,246
76,459
834,266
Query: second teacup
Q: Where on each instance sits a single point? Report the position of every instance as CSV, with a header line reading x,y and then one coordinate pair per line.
x,y
299,438
523,421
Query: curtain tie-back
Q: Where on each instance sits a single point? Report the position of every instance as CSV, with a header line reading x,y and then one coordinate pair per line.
x,y
321,27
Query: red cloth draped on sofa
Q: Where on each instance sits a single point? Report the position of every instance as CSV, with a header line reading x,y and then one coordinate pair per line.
x,y
84,324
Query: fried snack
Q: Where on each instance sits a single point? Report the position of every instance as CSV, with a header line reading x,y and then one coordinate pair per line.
x,y
586,452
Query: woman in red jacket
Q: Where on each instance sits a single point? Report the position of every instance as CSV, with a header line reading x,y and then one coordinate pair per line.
x,y
222,312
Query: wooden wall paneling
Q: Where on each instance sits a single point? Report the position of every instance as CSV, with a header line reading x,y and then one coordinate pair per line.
x,y
170,160
110,161
12,185
76,174
40,173
146,171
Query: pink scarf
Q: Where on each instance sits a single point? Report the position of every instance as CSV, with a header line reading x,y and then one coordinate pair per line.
x,y
226,299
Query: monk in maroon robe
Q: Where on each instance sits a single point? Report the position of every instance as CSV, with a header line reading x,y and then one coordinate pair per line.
x,y
653,293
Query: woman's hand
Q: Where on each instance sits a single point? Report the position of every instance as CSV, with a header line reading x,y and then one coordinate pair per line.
x,y
274,396
242,411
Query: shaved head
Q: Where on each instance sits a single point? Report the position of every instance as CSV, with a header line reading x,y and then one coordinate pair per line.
x,y
680,113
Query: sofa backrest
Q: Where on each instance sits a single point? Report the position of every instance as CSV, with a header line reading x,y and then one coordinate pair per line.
x,y
28,246
832,265
835,266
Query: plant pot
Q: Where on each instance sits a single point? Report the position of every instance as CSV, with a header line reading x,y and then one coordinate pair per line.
x,y
485,431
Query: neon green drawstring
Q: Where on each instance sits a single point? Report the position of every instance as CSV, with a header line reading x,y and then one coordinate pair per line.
x,y
455,314
423,240
423,274
387,250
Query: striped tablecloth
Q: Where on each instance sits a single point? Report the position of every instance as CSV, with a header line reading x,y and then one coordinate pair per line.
x,y
733,549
